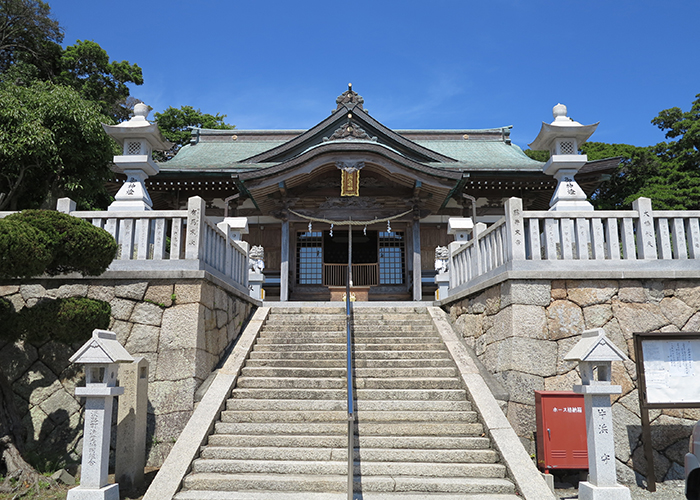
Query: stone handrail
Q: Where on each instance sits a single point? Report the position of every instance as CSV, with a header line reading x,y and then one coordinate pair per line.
x,y
174,240
607,243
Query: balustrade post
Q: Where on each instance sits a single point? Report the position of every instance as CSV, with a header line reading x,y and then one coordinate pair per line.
x,y
65,205
195,228
515,229
228,252
646,242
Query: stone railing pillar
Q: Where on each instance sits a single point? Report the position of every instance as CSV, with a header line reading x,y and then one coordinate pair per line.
x,y
194,247
515,229
130,456
646,239
65,205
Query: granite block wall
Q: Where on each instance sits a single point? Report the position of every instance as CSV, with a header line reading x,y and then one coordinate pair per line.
x,y
183,327
522,329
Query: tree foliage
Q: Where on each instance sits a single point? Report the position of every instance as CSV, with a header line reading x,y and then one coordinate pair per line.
x,y
51,141
176,124
28,33
86,67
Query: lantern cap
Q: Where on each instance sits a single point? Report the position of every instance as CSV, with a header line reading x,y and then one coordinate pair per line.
x,y
595,346
102,348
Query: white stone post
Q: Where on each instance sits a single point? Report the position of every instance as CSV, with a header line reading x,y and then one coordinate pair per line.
x,y
194,247
65,205
130,457
459,228
100,355
595,354
515,229
646,239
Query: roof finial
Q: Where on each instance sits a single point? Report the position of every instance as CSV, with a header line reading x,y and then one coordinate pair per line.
x,y
349,99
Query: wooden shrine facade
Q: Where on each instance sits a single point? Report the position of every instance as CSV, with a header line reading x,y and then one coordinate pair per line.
x,y
300,190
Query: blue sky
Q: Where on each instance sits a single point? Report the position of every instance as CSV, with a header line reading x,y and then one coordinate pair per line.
x,y
418,65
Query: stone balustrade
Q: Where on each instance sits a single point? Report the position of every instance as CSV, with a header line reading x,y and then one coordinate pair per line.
x,y
174,240
603,244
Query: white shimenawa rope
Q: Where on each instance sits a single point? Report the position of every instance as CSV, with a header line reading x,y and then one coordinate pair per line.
x,y
350,222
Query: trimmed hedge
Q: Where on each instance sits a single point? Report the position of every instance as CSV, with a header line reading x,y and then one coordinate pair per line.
x,y
75,244
24,250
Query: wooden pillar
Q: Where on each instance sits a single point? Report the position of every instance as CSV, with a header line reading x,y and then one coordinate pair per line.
x,y
417,284
284,262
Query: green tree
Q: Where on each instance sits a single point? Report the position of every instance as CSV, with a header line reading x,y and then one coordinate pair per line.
x,y
86,67
637,165
28,33
59,242
51,145
176,124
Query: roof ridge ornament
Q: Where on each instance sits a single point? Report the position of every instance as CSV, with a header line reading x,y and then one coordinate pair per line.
x,y
349,99
349,131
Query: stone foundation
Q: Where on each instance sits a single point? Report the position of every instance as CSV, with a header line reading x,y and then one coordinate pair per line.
x,y
183,327
522,329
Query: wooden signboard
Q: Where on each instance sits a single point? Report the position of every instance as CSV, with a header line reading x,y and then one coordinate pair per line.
x,y
668,371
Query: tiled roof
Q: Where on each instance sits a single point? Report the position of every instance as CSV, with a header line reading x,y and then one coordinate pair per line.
x,y
494,154
486,155
218,154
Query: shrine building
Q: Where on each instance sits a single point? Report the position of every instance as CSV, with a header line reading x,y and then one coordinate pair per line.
x,y
300,190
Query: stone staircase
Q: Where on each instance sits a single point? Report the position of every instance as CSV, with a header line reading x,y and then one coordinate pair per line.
x,y
283,433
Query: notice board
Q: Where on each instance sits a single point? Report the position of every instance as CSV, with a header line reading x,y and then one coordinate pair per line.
x,y
668,372
668,365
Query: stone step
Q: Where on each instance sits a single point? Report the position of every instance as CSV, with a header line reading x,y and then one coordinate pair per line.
x,y
359,454
339,441
362,428
341,327
339,383
303,371
357,348
363,468
341,405
338,483
287,341
340,362
338,309
310,495
360,394
338,354
341,416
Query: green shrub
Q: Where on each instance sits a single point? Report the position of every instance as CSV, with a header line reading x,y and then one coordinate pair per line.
x,y
24,250
76,245
66,320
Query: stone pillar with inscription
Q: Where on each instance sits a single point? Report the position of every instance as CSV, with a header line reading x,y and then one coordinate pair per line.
x,y
101,356
138,138
595,354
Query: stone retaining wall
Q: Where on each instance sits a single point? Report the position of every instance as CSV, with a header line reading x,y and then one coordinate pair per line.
x,y
182,327
522,329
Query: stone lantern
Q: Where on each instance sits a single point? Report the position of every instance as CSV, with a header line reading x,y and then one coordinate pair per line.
x,y
562,138
138,139
101,356
595,354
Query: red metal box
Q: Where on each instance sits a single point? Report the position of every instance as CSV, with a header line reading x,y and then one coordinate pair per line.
x,y
561,430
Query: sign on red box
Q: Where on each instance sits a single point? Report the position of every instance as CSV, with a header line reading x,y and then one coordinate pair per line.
x,y
561,430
